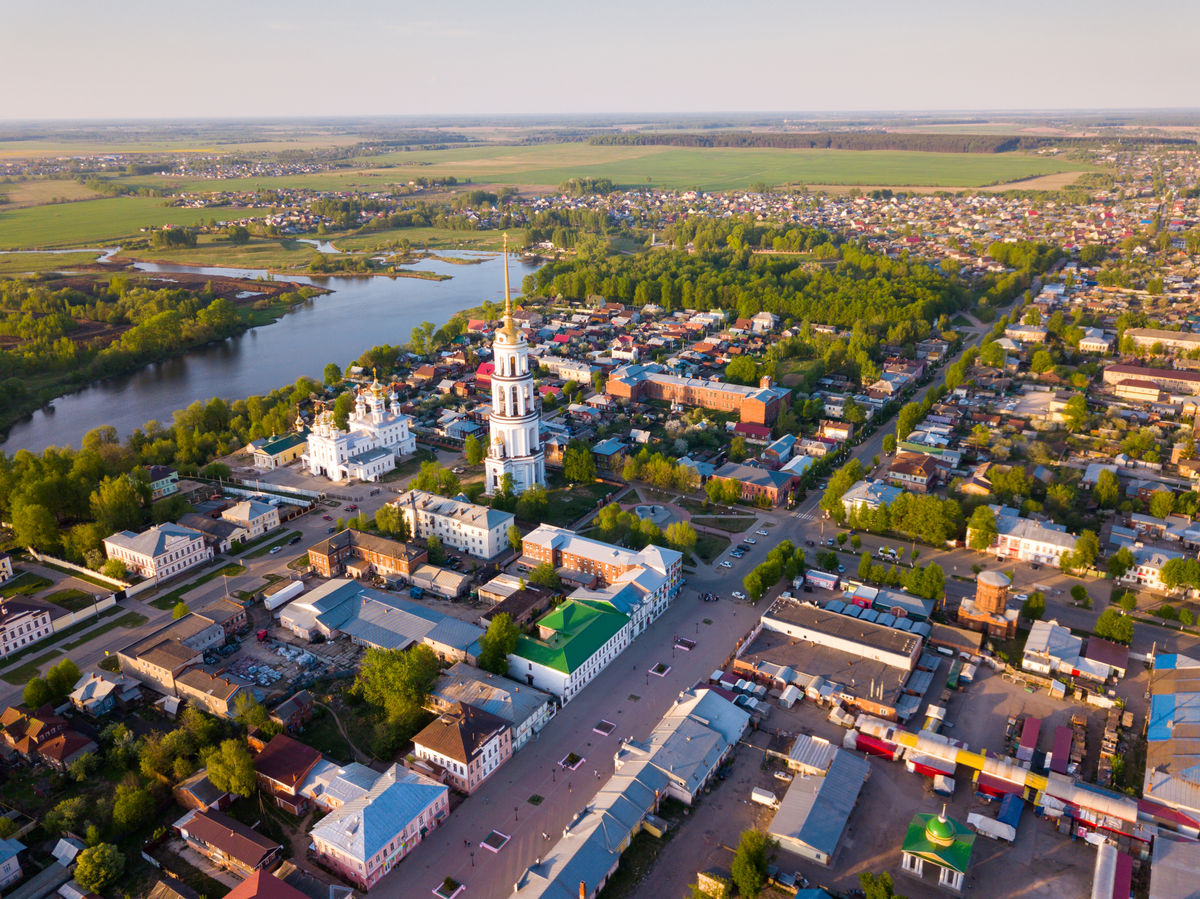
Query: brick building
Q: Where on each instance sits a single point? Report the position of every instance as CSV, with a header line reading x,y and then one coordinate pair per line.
x,y
757,405
339,553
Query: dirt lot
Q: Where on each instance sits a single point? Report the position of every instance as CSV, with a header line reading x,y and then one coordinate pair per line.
x,y
1041,863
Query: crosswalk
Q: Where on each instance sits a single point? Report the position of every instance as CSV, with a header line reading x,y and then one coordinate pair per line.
x,y
805,516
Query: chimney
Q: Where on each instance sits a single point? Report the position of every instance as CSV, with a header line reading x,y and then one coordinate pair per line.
x,y
582,890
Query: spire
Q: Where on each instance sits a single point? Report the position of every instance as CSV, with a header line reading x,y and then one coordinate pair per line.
x,y
510,329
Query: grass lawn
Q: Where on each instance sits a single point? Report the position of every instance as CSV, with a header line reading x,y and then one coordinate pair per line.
x,y
71,600
24,584
733,524
430,238
322,734
168,600
709,546
570,501
277,254
25,263
23,674
90,223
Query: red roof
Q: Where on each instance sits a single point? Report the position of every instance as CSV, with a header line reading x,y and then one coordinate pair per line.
x,y
261,885
561,338
751,430
286,761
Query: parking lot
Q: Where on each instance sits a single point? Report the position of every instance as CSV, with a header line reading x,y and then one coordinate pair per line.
x,y
1041,863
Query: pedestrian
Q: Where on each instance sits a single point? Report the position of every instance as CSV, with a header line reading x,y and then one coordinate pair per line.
x,y
568,789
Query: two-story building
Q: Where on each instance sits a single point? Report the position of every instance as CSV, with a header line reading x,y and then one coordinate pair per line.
x,y
22,624
524,709
228,843
363,839
466,744
355,552
253,516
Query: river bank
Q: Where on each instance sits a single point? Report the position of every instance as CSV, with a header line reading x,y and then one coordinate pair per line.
x,y
354,314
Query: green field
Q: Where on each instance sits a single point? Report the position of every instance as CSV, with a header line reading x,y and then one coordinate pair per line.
x,y
92,222
547,165
24,263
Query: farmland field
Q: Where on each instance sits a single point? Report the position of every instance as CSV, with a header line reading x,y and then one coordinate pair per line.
x,y
547,165
92,222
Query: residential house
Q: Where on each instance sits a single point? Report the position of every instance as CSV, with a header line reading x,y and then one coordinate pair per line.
x,y
10,862
1148,562
163,481
99,693
295,711
916,472
260,885
754,482
758,405
1026,540
364,838
467,744
162,656
478,530
41,735
869,495
198,792
582,559
160,552
6,567
524,709
23,623
214,694
282,767
254,517
228,843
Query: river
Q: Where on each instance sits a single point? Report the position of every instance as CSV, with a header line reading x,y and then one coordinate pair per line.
x,y
337,327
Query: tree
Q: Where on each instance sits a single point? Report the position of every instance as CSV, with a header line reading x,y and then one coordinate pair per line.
x,y
1087,550
1107,491
1120,562
681,535
578,464
231,768
437,552
115,568
545,576
34,525
1127,601
36,694
878,886
1075,412
514,536
497,642
1079,594
342,407
61,679
390,520
250,714
398,682
889,443
116,505
333,374
737,449
473,450
1115,625
179,610
533,503
749,868
981,529
99,866
1042,362
133,808
1180,572
1162,503
1034,607
742,370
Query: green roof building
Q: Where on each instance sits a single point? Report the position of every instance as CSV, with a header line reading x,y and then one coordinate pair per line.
x,y
941,842
575,642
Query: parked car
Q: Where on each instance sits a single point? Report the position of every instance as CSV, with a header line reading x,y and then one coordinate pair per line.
x,y
295,539
810,542
726,564
327,517
750,540
351,508
761,533
275,549
738,594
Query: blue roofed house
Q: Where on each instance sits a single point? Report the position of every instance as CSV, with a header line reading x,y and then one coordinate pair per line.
x,y
609,452
779,452
10,861
364,838
870,495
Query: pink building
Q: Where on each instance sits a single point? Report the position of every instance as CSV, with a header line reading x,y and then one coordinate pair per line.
x,y
467,744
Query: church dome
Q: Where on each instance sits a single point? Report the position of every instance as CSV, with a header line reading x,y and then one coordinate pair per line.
x,y
939,831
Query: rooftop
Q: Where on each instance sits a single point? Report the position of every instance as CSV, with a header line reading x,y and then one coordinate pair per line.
x,y
578,630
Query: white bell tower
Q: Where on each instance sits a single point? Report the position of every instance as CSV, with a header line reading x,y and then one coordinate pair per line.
x,y
515,443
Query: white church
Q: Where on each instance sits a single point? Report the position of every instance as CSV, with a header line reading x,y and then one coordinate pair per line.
x,y
376,433
514,426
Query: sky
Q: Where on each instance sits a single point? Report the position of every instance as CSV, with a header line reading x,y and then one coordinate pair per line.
x,y
264,58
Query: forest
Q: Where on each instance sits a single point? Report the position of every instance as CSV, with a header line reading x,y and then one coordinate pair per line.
x,y
853,285
876,140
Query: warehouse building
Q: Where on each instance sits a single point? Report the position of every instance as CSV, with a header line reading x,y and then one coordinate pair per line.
x,y
815,810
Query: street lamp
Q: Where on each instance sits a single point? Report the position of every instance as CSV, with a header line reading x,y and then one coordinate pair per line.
x,y
472,858
516,810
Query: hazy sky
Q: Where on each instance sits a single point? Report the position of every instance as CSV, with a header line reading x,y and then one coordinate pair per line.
x,y
129,58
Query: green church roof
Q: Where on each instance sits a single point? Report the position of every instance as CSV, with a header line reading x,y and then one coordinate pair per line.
x,y
580,628
943,842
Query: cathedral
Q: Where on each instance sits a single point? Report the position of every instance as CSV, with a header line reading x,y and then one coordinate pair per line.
x,y
376,433
514,427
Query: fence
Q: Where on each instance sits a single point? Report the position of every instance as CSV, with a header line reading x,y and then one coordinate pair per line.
x,y
73,618
54,560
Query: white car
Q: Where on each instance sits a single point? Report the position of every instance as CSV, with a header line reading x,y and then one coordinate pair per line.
x,y
750,540
738,594
762,533
726,564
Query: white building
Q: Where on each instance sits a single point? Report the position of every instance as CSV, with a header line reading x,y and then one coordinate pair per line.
x,y
254,517
477,530
1147,567
22,624
1024,540
525,709
515,446
161,552
575,641
376,433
